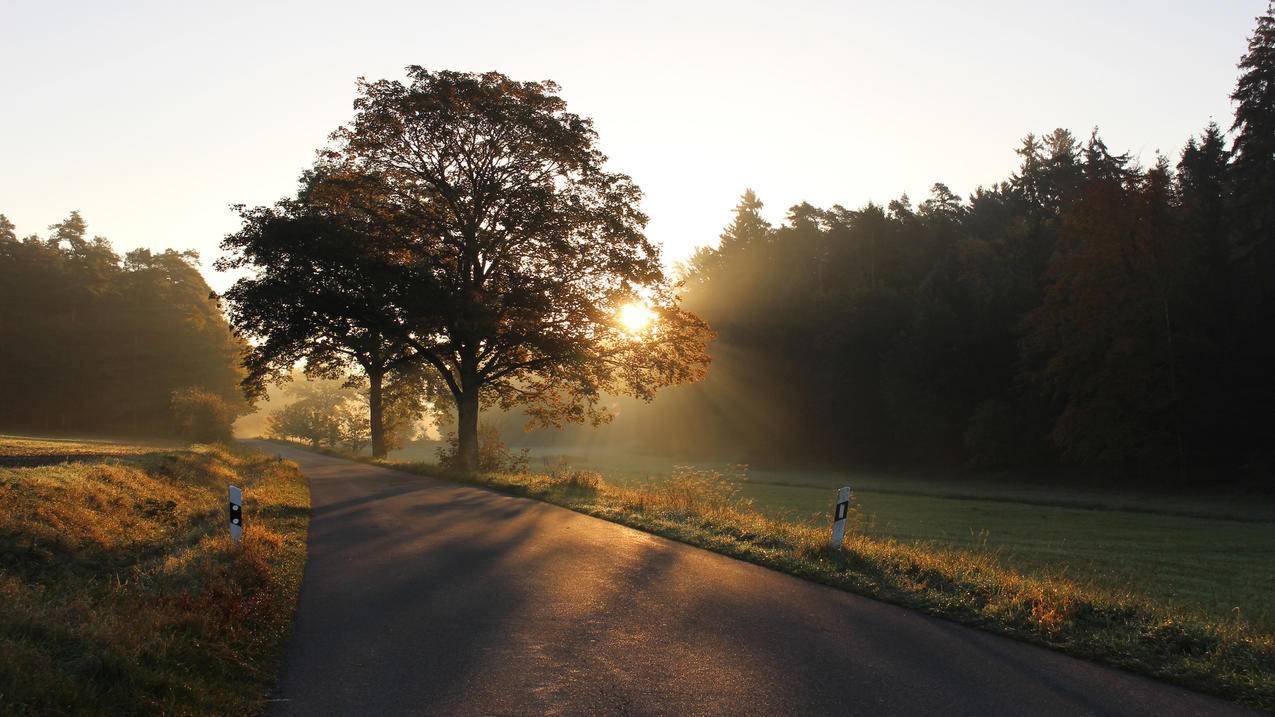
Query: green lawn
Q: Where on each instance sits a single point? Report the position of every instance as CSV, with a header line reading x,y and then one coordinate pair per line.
x,y
1209,554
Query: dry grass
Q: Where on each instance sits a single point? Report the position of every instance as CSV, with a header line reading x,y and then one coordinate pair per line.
x,y
123,594
69,448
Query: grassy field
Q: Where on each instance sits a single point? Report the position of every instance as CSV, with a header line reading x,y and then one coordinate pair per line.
x,y
17,451
121,590
1179,587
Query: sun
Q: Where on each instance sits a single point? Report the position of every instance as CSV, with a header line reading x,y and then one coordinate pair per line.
x,y
635,318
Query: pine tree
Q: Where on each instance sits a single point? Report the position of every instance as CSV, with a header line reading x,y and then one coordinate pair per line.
x,y
748,228
1252,224
7,233
1253,171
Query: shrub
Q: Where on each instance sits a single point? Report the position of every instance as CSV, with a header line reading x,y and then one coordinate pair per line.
x,y
201,416
493,453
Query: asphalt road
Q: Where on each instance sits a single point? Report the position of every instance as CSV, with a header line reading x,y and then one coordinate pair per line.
x,y
430,598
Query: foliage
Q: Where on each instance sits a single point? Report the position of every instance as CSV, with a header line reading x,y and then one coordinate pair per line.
x,y
319,414
1085,311
331,413
1249,182
122,592
296,309
470,220
93,342
493,453
201,416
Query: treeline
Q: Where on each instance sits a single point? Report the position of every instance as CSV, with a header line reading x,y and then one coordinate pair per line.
x,y
1085,310
93,342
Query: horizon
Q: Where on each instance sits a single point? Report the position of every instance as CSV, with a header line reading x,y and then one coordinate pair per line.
x,y
808,141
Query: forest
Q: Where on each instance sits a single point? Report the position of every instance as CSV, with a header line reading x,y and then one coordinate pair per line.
x,y
1084,310
94,343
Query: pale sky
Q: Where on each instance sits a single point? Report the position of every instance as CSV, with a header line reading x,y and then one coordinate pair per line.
x,y
152,117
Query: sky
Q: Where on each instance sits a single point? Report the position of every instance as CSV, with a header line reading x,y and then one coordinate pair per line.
x,y
152,118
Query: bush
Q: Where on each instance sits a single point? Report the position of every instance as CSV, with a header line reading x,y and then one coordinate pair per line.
x,y
493,453
201,416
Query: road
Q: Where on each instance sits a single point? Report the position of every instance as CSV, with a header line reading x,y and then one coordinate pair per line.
x,y
431,598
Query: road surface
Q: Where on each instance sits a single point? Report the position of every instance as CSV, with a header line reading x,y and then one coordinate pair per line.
x,y
430,598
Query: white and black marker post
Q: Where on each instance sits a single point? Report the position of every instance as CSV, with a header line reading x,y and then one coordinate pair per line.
x,y
839,517
236,514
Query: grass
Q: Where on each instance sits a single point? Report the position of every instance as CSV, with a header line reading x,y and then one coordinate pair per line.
x,y
121,589
1121,623
20,450
1211,565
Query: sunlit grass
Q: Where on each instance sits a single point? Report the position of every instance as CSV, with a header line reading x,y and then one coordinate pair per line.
x,y
42,447
123,594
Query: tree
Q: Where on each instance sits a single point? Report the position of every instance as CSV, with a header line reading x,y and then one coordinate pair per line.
x,y
1252,225
7,234
747,228
489,224
306,302
202,416
315,415
1253,169
355,426
105,340
1109,337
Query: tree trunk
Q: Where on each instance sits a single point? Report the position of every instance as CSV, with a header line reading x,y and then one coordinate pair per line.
x,y
467,431
375,379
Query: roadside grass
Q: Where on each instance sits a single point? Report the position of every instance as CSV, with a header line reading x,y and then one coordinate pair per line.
x,y
121,590
1216,566
1222,654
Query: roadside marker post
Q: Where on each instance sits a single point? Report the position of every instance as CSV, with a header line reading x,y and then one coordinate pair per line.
x,y
839,517
236,515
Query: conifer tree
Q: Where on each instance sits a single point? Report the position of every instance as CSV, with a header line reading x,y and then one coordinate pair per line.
x,y
1253,171
747,228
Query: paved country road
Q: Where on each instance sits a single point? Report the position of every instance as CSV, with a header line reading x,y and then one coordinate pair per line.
x,y
430,598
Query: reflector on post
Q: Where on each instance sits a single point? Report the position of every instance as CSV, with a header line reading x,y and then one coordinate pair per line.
x,y
839,517
236,515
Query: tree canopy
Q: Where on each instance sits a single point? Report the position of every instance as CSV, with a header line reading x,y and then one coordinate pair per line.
x,y
480,214
95,342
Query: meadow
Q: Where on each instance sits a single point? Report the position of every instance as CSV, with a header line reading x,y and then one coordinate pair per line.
x,y
122,591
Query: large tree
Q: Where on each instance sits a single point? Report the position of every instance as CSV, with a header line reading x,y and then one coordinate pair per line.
x,y
500,250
